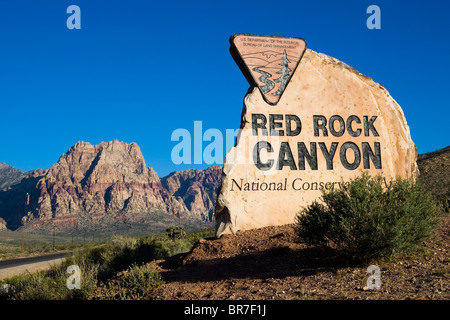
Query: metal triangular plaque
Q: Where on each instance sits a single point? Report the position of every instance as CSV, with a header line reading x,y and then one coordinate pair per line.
x,y
267,62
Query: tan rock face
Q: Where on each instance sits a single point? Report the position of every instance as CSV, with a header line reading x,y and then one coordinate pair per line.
x,y
197,189
106,178
110,179
331,123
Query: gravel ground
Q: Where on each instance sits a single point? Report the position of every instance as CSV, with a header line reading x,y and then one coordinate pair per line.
x,y
266,264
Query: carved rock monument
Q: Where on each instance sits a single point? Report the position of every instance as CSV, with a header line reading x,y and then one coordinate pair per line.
x,y
330,124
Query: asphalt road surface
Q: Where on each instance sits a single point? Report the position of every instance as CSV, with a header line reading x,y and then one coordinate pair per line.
x,y
9,268
21,261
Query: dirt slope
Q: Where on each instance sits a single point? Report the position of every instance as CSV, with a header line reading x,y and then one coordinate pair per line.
x,y
266,264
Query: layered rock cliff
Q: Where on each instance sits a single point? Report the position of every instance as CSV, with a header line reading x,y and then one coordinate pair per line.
x,y
110,179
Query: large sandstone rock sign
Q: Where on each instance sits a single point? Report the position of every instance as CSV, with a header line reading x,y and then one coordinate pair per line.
x,y
330,124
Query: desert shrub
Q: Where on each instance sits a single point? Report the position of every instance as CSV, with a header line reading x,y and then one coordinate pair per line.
x,y
102,263
88,282
34,287
175,233
179,246
195,236
153,249
140,280
121,252
51,284
365,219
149,250
137,282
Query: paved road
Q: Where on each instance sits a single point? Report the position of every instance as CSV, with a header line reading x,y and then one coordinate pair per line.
x,y
21,261
8,268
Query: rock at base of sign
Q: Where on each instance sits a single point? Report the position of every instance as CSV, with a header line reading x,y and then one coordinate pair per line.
x,y
330,124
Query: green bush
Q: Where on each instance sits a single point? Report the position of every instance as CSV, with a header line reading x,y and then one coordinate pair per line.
x,y
51,284
122,252
102,263
175,233
141,280
365,219
136,283
150,249
35,286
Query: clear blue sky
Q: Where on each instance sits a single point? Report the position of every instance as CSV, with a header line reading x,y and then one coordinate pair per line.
x,y
138,70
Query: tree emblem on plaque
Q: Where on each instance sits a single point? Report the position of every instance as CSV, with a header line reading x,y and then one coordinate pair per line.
x,y
268,62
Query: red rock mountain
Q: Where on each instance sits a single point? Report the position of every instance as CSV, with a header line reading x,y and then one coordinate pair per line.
x,y
110,179
197,189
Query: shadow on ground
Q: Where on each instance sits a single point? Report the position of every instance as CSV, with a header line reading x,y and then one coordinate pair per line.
x,y
279,262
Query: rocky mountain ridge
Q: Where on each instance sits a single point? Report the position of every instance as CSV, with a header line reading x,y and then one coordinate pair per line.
x,y
9,175
435,175
110,182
